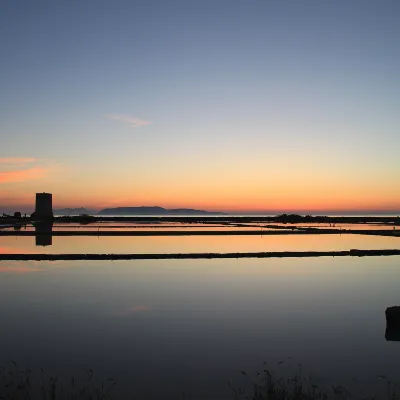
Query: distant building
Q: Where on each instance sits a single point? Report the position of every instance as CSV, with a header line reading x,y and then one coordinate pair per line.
x,y
44,206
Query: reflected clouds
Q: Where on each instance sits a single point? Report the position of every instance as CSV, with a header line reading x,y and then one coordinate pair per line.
x,y
132,310
18,269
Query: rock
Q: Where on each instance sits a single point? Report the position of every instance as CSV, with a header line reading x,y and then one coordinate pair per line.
x,y
392,334
393,317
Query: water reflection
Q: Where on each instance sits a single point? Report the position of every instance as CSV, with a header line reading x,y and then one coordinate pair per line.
x,y
43,236
188,244
193,324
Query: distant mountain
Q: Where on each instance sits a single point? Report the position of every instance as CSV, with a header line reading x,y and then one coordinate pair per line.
x,y
154,211
72,211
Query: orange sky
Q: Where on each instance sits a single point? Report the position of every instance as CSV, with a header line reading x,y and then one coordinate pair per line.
x,y
305,189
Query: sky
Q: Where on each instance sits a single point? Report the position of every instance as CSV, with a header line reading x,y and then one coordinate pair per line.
x,y
230,105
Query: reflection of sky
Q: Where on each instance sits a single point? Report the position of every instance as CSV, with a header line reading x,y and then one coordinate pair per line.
x,y
16,268
197,244
194,323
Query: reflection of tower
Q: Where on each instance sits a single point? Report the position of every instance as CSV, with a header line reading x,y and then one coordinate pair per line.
x,y
44,206
43,233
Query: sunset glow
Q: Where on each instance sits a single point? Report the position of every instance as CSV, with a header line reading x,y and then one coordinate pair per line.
x,y
236,107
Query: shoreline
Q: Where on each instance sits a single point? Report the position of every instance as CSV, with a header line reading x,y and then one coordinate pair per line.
x,y
285,219
258,232
185,256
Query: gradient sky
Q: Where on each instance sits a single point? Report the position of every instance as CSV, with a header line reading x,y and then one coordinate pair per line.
x,y
232,105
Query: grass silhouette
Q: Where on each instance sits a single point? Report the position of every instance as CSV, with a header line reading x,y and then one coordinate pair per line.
x,y
277,384
291,384
24,384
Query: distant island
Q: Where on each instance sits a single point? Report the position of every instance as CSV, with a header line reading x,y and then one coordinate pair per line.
x,y
154,211
133,211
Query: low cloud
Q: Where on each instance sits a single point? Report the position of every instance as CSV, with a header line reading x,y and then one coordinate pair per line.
x,y
17,160
22,175
25,169
133,122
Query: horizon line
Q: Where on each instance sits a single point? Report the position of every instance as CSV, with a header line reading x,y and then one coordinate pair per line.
x,y
356,211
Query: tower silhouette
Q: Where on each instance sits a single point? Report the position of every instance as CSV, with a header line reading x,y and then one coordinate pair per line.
x,y
44,206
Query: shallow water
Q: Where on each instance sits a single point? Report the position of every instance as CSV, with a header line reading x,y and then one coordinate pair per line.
x,y
185,226
163,327
343,226
194,244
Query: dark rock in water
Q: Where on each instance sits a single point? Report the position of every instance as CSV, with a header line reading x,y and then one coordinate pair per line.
x,y
392,332
393,316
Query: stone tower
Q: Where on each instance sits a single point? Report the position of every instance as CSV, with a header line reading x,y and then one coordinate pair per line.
x,y
44,206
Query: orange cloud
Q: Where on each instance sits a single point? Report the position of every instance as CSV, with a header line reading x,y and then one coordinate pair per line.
x,y
22,175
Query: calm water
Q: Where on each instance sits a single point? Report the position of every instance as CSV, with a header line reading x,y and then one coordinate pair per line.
x,y
183,226
192,244
166,326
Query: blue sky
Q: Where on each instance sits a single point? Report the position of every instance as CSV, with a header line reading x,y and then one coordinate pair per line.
x,y
126,102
